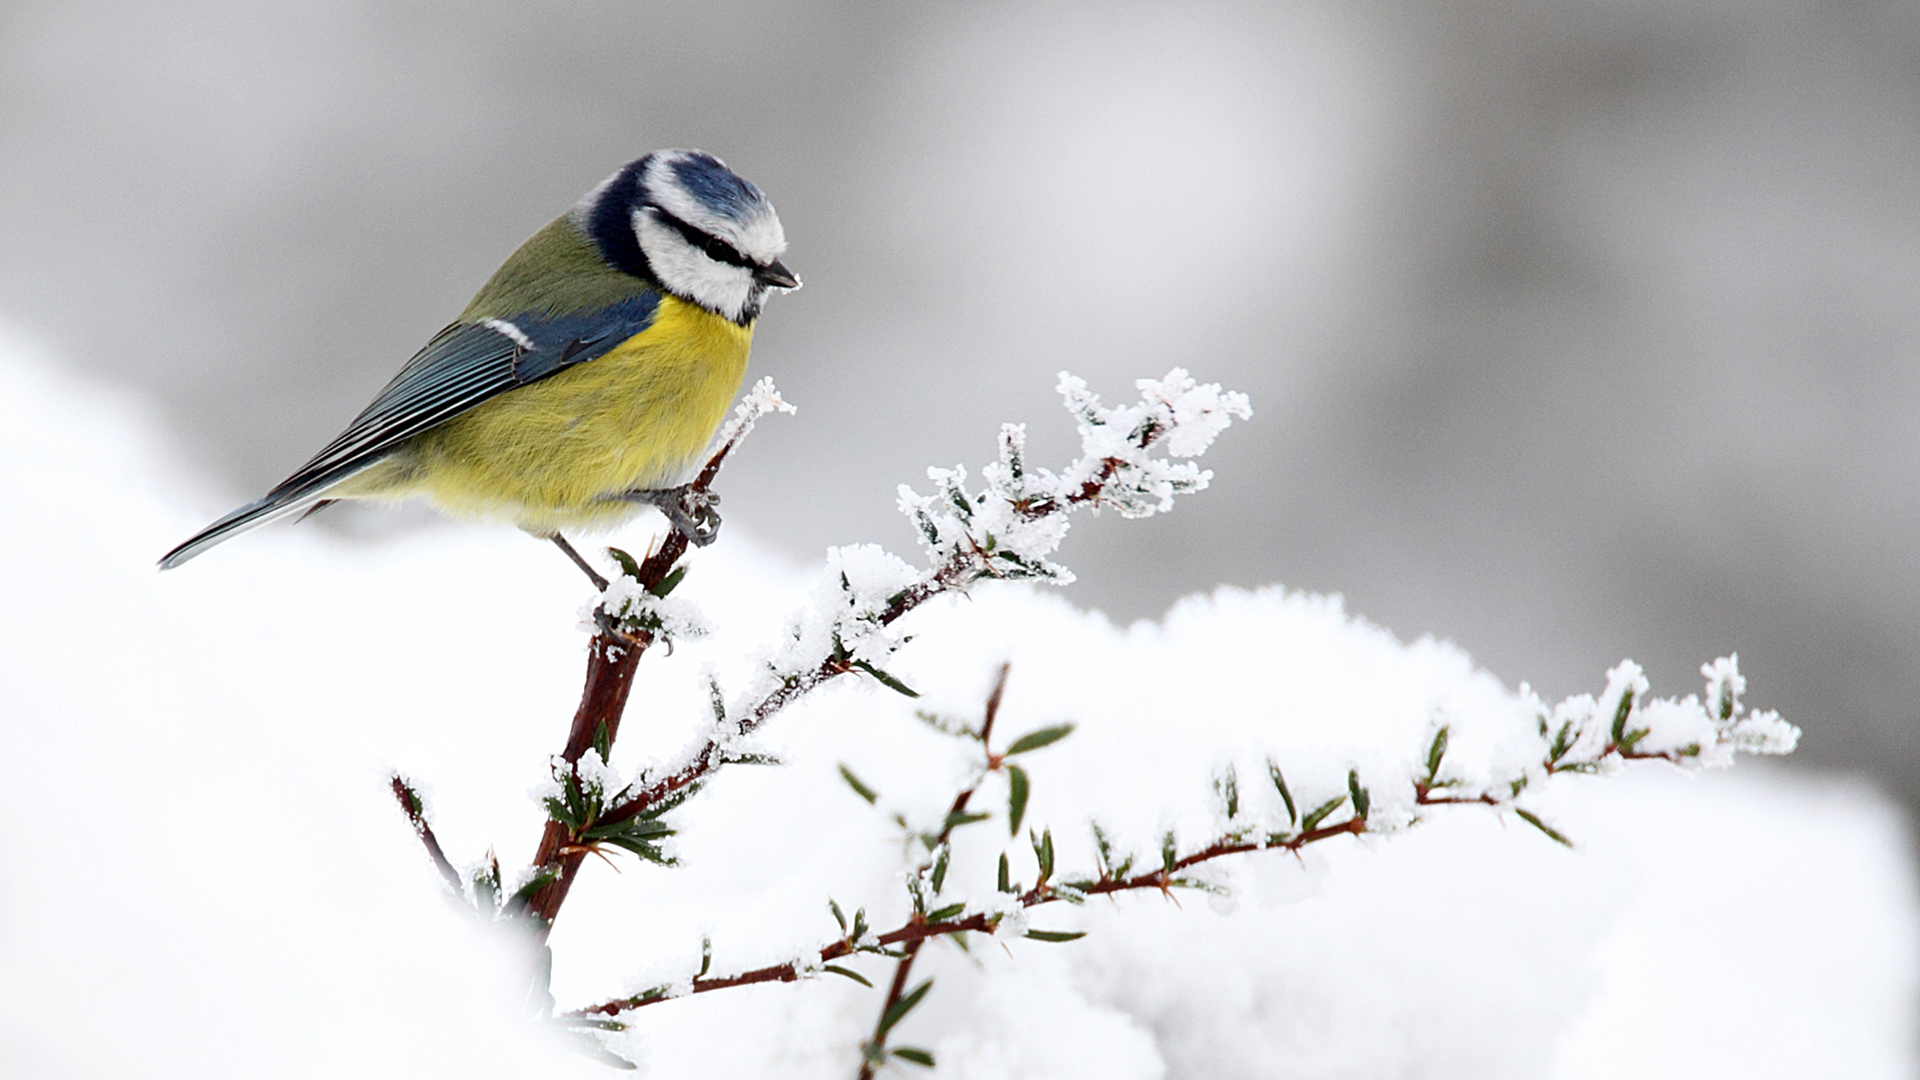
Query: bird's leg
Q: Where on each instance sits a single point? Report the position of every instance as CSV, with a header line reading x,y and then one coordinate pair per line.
x,y
586,568
689,510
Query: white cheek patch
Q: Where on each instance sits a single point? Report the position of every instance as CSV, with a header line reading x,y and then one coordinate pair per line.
x,y
686,271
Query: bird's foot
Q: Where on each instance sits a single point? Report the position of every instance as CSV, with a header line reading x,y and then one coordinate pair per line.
x,y
689,510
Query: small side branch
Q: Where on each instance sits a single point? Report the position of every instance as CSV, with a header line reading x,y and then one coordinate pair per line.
x,y
1582,735
612,658
966,543
415,808
909,936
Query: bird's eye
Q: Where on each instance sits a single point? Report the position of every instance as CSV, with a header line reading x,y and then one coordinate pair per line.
x,y
715,248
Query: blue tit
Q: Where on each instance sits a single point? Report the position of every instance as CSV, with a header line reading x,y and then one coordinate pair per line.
x,y
590,370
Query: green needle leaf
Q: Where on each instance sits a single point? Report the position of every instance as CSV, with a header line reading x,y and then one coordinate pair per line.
x,y
628,565
1280,782
1552,833
915,1055
1017,791
1620,714
954,821
1043,853
1034,740
1056,935
886,680
859,788
1436,752
668,583
1320,813
1226,787
940,863
899,1009
849,973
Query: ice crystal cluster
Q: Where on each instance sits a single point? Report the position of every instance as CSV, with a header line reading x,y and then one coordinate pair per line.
x,y
1133,459
1581,731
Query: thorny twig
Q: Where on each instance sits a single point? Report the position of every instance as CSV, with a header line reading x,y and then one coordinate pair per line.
x,y
875,1050
1564,754
612,656
968,563
1120,474
415,809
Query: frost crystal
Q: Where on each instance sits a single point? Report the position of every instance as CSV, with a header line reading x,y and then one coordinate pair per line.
x,y
597,779
1009,915
1585,735
1018,520
758,402
596,776
666,618
1008,529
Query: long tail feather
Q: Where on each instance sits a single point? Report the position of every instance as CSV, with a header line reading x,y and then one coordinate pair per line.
x,y
280,502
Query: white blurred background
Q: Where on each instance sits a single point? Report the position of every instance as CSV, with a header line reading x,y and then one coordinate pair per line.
x,y
1575,331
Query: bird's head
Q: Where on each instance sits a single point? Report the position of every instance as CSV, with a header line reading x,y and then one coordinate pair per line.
x,y
684,221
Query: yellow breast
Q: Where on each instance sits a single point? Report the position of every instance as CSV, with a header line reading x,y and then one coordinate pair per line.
x,y
545,454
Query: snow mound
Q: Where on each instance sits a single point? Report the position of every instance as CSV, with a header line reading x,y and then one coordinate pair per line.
x,y
202,872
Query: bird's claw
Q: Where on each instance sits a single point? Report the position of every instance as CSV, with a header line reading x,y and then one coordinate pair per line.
x,y
688,509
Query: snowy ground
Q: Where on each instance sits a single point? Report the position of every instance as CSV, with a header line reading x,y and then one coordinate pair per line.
x,y
201,874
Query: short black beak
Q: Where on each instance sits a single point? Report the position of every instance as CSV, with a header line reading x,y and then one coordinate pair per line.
x,y
777,275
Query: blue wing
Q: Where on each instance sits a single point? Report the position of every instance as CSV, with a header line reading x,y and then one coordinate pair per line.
x,y
464,365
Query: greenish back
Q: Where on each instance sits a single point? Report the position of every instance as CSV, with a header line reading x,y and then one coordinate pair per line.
x,y
557,271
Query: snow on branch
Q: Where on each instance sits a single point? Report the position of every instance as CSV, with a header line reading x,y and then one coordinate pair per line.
x,y
1011,527
1134,459
1581,735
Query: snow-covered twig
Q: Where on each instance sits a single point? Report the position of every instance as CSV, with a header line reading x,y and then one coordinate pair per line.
x,y
1582,735
415,807
629,616
1134,459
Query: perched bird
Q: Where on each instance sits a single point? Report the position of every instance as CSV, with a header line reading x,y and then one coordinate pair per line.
x,y
589,371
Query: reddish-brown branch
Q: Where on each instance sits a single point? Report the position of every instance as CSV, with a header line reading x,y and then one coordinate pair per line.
x,y
417,817
711,755
612,657
904,968
1424,790
957,572
910,935
603,701
876,1046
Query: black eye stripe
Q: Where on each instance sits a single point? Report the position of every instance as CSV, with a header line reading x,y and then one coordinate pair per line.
x,y
716,249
